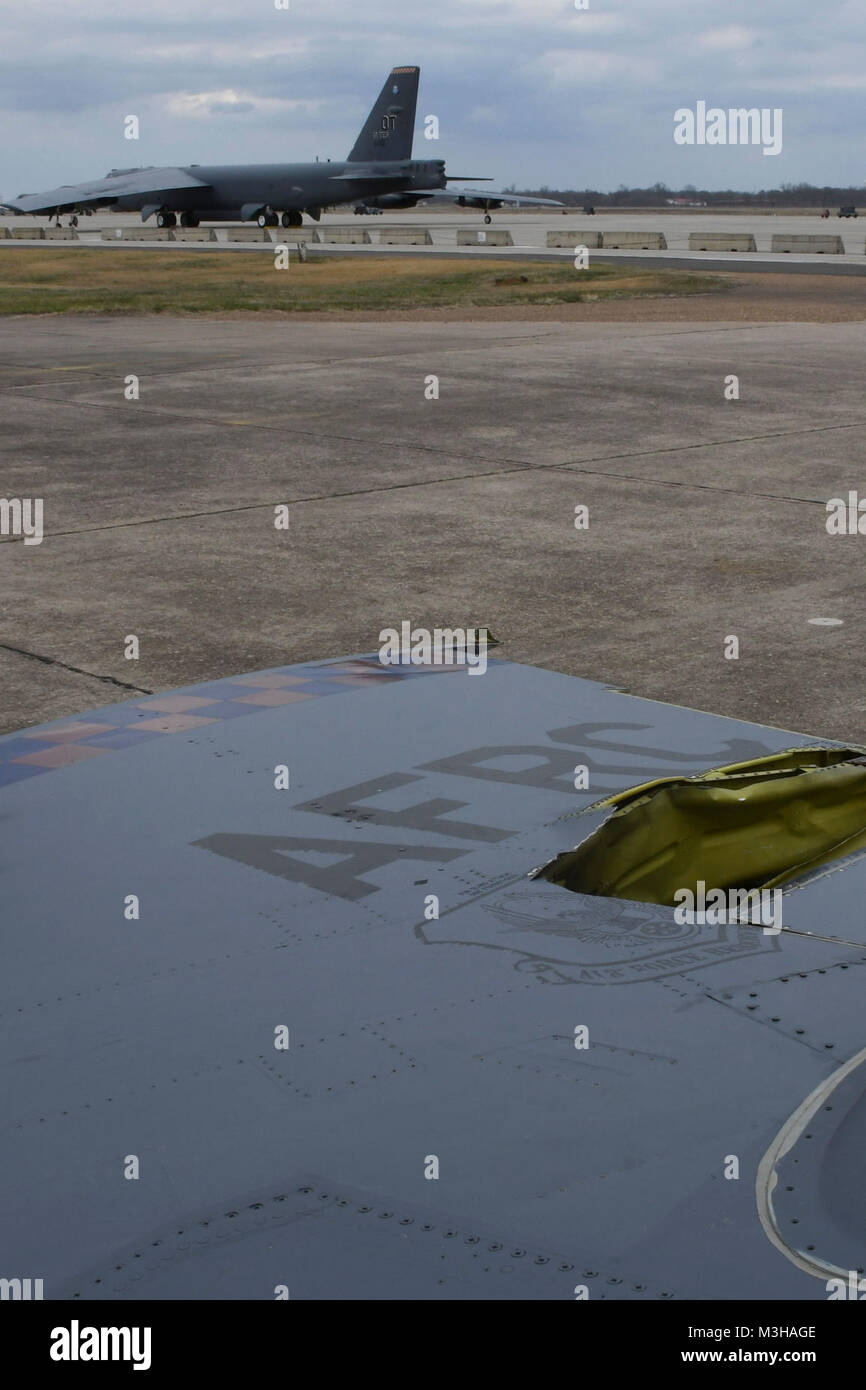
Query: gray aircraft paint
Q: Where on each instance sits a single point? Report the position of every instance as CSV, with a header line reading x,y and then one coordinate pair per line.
x,y
410,1036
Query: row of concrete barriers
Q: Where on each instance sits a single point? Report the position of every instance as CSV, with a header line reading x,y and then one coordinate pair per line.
x,y
357,236
698,241
420,236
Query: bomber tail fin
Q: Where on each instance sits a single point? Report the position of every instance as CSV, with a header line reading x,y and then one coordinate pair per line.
x,y
387,131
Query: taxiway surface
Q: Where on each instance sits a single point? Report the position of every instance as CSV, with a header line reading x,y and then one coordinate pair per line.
x,y
707,517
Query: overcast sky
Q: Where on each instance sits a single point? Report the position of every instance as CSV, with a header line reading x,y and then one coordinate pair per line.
x,y
529,91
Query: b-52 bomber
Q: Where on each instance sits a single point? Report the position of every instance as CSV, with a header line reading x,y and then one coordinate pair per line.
x,y
379,172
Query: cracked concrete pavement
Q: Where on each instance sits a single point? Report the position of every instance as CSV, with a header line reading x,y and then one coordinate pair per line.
x,y
707,516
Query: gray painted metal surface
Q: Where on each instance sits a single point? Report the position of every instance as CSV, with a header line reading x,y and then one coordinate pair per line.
x,y
411,1037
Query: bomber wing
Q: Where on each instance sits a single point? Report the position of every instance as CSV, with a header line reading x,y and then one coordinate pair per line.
x,y
288,1012
487,195
103,192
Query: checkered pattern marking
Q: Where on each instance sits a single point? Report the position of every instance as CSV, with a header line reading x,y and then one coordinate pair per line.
x,y
34,751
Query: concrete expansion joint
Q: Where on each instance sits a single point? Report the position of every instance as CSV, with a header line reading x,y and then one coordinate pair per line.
x,y
76,670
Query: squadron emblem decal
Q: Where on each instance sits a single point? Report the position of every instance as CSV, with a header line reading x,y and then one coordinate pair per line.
x,y
598,941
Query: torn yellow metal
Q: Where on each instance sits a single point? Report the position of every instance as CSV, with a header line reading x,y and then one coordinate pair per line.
x,y
756,824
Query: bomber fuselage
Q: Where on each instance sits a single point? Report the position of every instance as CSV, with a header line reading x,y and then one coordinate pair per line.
x,y
232,189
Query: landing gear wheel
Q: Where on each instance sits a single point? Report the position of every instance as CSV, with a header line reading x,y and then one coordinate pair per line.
x,y
292,219
487,217
188,219
262,219
166,219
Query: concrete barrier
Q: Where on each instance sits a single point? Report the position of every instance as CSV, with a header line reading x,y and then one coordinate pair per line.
x,y
722,241
5,233
248,234
294,235
814,245
405,236
137,234
194,234
572,239
634,241
60,234
349,236
29,233
488,236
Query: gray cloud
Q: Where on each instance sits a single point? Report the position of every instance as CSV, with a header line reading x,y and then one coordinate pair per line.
x,y
528,91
